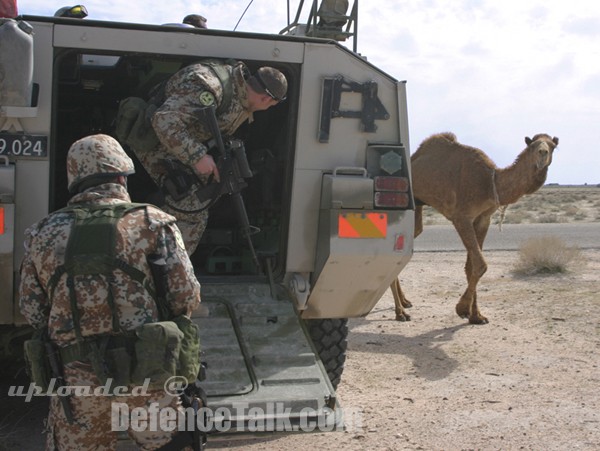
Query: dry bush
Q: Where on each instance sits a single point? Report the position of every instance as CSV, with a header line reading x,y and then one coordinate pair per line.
x,y
549,218
571,210
516,217
545,255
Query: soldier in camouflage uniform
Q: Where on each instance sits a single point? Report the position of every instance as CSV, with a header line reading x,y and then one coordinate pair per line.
x,y
183,134
97,170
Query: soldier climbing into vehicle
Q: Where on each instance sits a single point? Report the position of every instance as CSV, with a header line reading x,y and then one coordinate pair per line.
x,y
173,130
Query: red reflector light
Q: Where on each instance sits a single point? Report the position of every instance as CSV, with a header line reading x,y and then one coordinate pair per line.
x,y
383,183
1,220
399,245
397,200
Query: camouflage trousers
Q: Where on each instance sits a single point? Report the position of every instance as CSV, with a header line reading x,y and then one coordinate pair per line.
x,y
191,214
98,416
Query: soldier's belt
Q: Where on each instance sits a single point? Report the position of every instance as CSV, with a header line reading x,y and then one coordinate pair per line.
x,y
82,350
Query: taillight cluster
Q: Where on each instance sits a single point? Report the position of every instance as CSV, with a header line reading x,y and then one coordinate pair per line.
x,y
391,192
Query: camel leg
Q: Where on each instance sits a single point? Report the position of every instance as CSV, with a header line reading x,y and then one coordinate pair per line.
x,y
400,301
418,220
482,224
475,267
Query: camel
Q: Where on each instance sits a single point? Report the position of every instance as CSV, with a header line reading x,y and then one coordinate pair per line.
x,y
464,185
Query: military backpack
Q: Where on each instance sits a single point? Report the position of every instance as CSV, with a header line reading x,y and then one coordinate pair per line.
x,y
156,350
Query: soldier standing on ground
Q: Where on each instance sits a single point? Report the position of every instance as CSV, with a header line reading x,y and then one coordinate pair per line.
x,y
85,314
183,133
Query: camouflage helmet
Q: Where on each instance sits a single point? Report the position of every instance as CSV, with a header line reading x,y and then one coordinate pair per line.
x,y
77,12
272,82
96,155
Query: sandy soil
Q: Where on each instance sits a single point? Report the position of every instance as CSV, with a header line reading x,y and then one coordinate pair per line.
x,y
529,379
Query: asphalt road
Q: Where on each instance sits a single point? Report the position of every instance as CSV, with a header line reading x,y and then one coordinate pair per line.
x,y
443,238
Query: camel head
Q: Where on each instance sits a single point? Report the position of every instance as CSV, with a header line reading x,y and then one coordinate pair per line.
x,y
540,149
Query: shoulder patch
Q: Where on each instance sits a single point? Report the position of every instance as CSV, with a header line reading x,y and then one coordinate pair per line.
x,y
207,98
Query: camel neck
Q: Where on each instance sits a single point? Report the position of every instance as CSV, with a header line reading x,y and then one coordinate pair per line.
x,y
515,181
495,189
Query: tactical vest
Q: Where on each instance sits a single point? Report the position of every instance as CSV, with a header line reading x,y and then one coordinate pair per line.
x,y
156,350
133,122
218,67
91,250
225,79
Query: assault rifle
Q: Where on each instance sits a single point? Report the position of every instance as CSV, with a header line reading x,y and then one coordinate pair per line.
x,y
233,170
181,181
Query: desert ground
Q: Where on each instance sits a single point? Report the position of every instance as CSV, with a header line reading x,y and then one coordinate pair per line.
x,y
530,379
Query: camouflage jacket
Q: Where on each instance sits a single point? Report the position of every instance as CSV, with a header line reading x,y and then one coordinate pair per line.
x,y
140,232
177,123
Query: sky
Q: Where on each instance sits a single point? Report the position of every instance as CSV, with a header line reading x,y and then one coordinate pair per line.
x,y
492,72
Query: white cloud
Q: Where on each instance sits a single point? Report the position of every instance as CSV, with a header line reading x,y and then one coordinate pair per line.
x,y
492,72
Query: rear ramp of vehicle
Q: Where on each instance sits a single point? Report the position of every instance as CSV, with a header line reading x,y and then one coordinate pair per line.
x,y
261,367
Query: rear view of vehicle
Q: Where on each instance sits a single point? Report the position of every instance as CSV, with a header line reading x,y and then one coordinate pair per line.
x,y
329,198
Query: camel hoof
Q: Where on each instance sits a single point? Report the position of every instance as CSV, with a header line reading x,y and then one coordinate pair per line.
x,y
478,320
463,315
402,317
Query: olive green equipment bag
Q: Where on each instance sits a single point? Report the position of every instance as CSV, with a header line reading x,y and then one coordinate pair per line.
x,y
166,349
36,360
133,124
157,349
189,356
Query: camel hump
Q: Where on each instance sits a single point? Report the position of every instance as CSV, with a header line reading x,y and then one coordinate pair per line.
x,y
435,143
445,136
448,135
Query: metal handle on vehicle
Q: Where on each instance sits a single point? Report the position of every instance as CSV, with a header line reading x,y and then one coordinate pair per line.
x,y
350,170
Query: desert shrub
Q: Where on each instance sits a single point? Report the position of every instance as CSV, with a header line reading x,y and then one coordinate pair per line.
x,y
571,210
545,255
515,217
570,199
548,218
